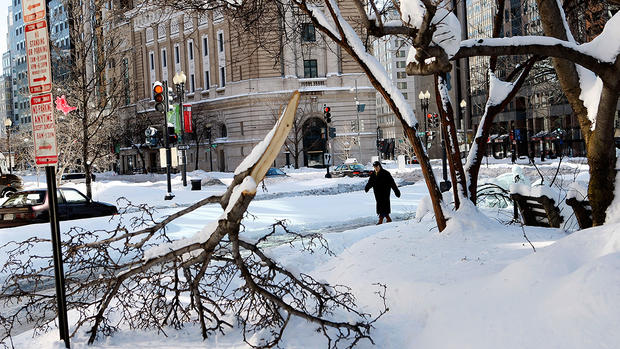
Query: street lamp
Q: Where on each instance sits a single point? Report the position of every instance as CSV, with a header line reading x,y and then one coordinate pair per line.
x,y
8,123
179,81
462,124
424,99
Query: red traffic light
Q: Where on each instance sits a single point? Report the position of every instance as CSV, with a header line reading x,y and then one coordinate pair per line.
x,y
326,109
430,116
158,88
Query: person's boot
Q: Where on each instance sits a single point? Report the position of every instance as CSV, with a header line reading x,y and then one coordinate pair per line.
x,y
380,221
388,219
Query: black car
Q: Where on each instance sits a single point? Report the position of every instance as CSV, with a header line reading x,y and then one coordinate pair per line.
x,y
32,206
351,170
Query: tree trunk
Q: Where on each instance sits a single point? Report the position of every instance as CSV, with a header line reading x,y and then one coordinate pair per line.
x,y
451,142
602,157
85,164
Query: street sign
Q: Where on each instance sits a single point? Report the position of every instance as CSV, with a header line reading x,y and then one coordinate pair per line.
x,y
33,10
327,158
38,57
44,130
183,146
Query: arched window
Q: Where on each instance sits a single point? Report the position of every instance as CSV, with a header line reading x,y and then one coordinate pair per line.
x,y
223,131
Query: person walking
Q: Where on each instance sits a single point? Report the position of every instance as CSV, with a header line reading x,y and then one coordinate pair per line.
x,y
381,182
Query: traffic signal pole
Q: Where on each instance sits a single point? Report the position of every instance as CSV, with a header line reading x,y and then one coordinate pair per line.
x,y
160,95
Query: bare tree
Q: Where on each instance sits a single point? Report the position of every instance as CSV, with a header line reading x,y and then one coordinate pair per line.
x,y
142,279
91,84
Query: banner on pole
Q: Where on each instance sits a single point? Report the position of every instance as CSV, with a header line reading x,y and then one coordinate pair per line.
x,y
187,118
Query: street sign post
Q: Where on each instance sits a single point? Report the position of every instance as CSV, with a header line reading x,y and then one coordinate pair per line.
x,y
44,135
44,130
38,57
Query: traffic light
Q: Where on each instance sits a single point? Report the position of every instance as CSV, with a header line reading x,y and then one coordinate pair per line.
x,y
327,114
172,137
435,120
159,96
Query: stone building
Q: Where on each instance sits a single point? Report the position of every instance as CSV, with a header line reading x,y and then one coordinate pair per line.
x,y
236,88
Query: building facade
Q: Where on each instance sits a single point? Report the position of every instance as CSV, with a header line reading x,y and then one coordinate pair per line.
x,y
236,90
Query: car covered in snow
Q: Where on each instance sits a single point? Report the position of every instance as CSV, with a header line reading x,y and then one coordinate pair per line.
x,y
274,172
32,206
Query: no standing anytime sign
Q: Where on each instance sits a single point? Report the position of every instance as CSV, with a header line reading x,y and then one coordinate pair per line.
x,y
44,129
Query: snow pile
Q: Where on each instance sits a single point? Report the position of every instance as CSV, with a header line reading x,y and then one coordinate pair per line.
x,y
534,191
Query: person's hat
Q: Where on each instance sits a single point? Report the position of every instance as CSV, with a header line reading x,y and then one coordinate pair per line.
x,y
376,163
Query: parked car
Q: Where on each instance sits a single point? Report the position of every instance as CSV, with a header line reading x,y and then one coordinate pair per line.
x,y
32,206
275,172
9,184
76,177
351,170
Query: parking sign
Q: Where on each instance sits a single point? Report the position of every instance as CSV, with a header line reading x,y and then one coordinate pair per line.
x,y
44,130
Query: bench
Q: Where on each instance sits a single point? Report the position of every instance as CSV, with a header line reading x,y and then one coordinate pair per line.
x,y
583,212
538,211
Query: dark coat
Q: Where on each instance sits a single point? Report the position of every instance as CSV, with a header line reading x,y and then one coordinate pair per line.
x,y
381,183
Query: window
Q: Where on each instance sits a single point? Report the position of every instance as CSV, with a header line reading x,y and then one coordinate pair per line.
x,y
205,46
223,131
192,83
74,197
308,32
164,59
177,58
190,50
207,82
401,53
401,75
310,70
401,64
152,59
402,85
223,76
220,39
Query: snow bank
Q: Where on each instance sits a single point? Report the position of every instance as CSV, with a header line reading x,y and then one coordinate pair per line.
x,y
413,12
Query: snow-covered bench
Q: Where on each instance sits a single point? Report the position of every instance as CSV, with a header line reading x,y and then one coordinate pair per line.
x,y
538,211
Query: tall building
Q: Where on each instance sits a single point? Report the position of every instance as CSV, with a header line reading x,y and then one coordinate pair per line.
x,y
236,88
6,96
19,70
60,43
392,53
539,116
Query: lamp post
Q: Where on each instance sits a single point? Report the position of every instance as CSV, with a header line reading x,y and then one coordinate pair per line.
x,y
357,113
424,99
179,81
461,124
8,123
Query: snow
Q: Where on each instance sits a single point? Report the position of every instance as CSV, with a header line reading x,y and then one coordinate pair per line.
x,y
412,13
477,284
591,88
447,34
498,89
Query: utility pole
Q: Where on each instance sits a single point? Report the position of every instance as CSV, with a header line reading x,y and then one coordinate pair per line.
x,y
357,112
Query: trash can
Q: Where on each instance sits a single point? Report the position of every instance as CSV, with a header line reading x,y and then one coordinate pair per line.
x,y
196,184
